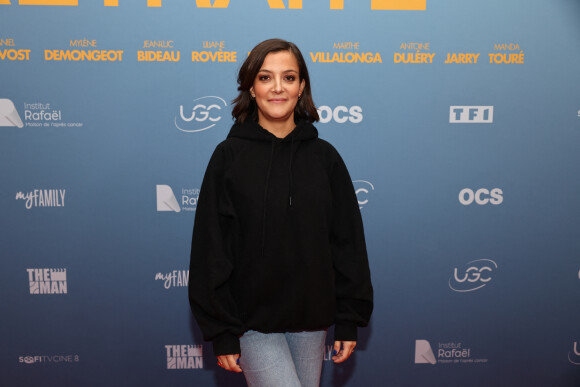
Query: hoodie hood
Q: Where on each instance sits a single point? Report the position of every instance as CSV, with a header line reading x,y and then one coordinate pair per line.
x,y
251,130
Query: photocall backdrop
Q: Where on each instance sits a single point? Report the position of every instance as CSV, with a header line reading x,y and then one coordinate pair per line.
x,y
459,121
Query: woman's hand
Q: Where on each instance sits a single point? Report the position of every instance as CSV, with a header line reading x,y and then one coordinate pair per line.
x,y
230,362
341,354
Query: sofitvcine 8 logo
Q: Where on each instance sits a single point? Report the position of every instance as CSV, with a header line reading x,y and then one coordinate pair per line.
x,y
472,276
202,114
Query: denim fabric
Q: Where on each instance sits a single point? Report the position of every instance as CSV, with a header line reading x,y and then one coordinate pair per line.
x,y
291,359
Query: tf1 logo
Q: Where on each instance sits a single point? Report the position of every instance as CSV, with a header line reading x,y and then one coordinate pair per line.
x,y
471,114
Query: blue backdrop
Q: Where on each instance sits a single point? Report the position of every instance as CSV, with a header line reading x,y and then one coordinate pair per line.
x,y
459,121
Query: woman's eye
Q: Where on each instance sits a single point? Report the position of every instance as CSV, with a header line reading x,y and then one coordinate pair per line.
x,y
263,77
290,78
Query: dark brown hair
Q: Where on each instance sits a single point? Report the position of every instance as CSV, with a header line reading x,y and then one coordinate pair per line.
x,y
245,106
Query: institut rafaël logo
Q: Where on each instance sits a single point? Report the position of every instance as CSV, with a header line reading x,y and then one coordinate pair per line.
x,y
201,114
574,354
363,188
42,198
47,281
340,114
470,114
174,278
8,114
445,353
167,201
184,357
472,276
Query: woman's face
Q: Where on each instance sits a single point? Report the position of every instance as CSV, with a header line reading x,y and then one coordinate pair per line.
x,y
276,89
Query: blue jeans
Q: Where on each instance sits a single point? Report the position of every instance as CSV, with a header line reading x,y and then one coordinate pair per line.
x,y
291,359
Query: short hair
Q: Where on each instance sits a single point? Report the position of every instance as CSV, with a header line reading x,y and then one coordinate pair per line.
x,y
245,106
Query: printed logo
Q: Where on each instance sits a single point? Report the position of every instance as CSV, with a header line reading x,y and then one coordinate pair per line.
x,y
167,201
48,359
204,114
473,276
175,278
447,353
424,353
182,357
574,355
340,114
47,281
471,114
328,348
482,196
42,198
8,114
362,189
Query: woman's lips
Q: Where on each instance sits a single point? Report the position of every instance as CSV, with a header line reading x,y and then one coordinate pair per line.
x,y
277,100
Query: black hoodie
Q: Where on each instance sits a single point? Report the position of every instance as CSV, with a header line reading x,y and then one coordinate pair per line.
x,y
278,242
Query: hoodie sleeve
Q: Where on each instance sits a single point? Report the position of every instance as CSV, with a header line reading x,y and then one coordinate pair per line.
x,y
354,291
211,266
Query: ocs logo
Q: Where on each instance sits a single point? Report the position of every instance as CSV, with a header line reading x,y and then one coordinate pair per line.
x,y
340,114
482,196
204,114
362,189
474,275
574,356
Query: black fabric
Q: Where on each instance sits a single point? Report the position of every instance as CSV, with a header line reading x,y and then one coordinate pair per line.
x,y
278,242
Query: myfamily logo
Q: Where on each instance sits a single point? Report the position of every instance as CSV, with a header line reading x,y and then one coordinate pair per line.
x,y
470,114
175,278
182,357
472,276
47,281
42,198
167,201
8,114
446,353
57,359
202,114
340,114
574,355
362,188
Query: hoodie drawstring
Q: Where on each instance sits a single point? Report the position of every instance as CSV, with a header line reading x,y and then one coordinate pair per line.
x,y
290,169
266,197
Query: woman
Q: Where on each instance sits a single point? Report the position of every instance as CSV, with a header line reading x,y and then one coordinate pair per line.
x,y
278,252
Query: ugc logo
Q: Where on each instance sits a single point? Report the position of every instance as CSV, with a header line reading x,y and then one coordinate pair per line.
x,y
202,115
472,276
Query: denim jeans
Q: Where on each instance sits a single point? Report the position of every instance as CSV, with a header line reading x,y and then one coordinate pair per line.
x,y
291,359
